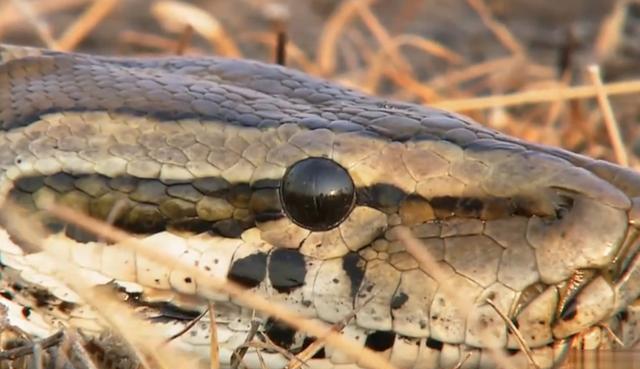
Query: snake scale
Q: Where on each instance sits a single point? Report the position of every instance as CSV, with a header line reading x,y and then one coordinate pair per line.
x,y
294,188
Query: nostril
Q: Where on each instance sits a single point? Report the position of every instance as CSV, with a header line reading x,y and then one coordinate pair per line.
x,y
563,206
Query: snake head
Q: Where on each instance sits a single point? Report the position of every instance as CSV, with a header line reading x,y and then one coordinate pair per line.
x,y
299,190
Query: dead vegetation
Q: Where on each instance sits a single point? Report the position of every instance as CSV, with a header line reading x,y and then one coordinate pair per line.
x,y
511,92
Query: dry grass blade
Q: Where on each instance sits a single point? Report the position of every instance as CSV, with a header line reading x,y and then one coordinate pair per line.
x,y
471,72
184,40
364,356
410,84
610,33
501,32
176,15
80,353
214,350
238,354
79,29
187,327
333,28
557,107
263,364
36,356
383,37
12,354
38,24
463,360
430,47
539,96
609,119
270,346
613,336
11,16
521,341
379,65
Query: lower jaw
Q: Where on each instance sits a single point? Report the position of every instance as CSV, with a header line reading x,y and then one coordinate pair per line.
x,y
405,353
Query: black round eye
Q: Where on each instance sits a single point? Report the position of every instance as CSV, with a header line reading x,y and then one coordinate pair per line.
x,y
317,193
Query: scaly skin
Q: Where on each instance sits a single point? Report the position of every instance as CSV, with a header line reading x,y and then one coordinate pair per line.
x,y
191,151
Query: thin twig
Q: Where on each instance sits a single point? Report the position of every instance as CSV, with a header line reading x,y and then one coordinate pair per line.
x,y
11,16
539,96
214,350
611,31
295,55
174,15
41,27
331,32
521,341
268,345
379,65
79,352
611,334
463,360
36,356
187,327
91,17
239,352
185,40
263,364
501,32
609,119
45,343
281,47
382,36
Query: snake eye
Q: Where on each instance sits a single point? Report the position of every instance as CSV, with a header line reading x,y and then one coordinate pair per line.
x,y
317,193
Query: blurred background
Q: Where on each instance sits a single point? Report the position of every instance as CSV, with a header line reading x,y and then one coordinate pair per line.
x,y
435,52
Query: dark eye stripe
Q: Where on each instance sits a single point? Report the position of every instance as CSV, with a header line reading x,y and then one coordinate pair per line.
x,y
214,205
142,206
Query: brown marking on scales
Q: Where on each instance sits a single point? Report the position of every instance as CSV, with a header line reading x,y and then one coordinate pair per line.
x,y
490,208
139,206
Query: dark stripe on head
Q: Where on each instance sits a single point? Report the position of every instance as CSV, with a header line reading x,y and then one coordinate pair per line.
x,y
354,266
287,270
212,204
141,206
280,333
380,340
434,344
250,270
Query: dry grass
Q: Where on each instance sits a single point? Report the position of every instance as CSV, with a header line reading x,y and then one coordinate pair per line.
x,y
357,49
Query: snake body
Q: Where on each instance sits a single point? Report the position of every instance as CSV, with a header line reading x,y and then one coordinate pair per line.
x,y
190,154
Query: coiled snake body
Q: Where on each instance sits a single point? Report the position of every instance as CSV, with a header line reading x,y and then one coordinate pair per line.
x,y
295,188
